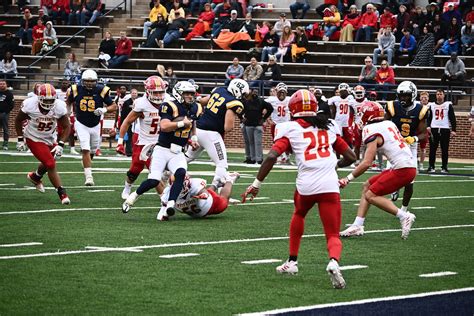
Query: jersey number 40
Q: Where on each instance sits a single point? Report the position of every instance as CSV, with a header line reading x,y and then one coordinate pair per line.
x,y
318,146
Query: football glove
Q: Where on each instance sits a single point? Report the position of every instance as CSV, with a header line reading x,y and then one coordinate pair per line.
x,y
100,111
343,182
57,151
21,146
251,191
411,139
120,149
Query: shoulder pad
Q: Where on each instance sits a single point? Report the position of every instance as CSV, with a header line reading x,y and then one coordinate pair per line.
x,y
174,107
74,90
423,111
104,91
391,108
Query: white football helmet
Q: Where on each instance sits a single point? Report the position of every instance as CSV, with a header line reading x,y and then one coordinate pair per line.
x,y
344,86
182,87
407,93
281,87
359,92
238,88
89,79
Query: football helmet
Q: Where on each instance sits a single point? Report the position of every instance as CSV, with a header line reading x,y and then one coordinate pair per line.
x,y
238,88
407,93
155,89
359,92
302,104
281,87
370,112
46,96
89,79
344,86
179,90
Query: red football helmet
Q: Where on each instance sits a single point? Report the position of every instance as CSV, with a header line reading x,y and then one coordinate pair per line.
x,y
155,88
302,104
370,112
46,96
359,92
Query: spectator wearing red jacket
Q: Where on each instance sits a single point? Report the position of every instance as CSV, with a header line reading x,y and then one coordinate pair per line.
x,y
61,11
367,25
385,78
326,4
350,23
387,19
203,24
38,31
123,51
470,16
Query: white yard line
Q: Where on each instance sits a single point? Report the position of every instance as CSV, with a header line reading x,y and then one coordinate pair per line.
x,y
437,274
353,267
21,245
261,261
179,255
205,243
114,249
423,207
359,302
6,184
101,190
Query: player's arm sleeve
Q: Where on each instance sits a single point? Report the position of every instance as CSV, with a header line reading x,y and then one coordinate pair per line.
x,y
452,117
281,145
166,112
105,94
236,106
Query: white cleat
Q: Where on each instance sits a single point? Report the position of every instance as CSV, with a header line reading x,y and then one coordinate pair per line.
x,y
38,184
65,199
335,275
126,192
353,230
89,181
232,177
406,223
289,267
74,152
131,199
162,215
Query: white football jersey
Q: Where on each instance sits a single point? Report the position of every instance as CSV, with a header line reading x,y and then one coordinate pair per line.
x,y
280,112
149,123
343,109
186,203
315,157
394,147
439,113
357,107
42,127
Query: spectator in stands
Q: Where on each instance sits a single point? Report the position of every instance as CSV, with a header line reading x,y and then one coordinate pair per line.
x,y
253,73
300,46
451,45
8,69
281,23
425,50
42,16
385,78
331,22
272,72
467,38
470,15
38,37
61,11
387,19
286,39
170,77
256,112
234,71
302,5
123,51
47,6
417,21
261,32
367,25
72,68
439,31
403,22
454,71
159,28
432,10
326,4
90,12
349,25
270,44
158,8
222,15
106,50
25,34
386,44
8,43
344,6
200,5
176,7
367,73
175,30
451,13
7,103
248,26
407,46
160,71
75,13
50,38
203,24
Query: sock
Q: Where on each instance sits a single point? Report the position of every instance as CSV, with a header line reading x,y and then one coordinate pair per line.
x,y
88,172
359,221
128,185
401,214
37,174
147,185
170,203
296,232
177,184
293,258
404,208
60,191
73,148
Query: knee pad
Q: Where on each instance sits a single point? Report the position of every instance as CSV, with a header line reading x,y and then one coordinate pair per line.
x,y
132,176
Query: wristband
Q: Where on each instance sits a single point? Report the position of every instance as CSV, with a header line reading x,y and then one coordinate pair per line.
x,y
20,139
180,124
194,138
61,143
350,177
120,141
416,139
257,183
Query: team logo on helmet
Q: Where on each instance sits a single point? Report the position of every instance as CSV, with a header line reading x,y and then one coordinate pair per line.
x,y
370,112
303,104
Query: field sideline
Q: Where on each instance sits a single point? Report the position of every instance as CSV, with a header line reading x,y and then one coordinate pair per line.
x,y
89,258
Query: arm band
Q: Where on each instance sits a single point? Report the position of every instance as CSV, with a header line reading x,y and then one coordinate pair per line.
x,y
416,138
257,183
350,177
61,143
20,139
180,124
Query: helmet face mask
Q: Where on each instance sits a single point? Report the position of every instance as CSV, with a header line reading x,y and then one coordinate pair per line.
x,y
184,92
282,91
405,99
359,92
407,93
155,89
46,97
89,79
344,90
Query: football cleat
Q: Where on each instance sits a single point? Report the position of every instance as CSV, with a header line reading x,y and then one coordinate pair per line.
x,y
335,275
162,215
394,196
74,151
289,267
131,199
126,192
65,199
89,181
406,223
232,177
444,170
431,170
353,230
37,182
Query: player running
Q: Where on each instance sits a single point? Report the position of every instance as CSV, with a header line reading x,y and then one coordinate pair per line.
x,y
280,114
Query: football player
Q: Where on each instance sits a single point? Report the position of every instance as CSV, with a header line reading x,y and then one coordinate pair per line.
x,y
424,101
360,99
62,95
90,101
280,113
198,201
342,111
177,129
44,113
410,118
381,135
146,111
314,143
218,118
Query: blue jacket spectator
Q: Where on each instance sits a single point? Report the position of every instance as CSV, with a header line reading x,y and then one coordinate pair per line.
x,y
450,46
407,46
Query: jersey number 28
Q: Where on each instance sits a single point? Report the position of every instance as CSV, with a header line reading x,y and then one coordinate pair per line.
x,y
318,146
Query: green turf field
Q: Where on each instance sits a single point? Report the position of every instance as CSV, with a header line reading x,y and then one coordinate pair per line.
x,y
96,260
